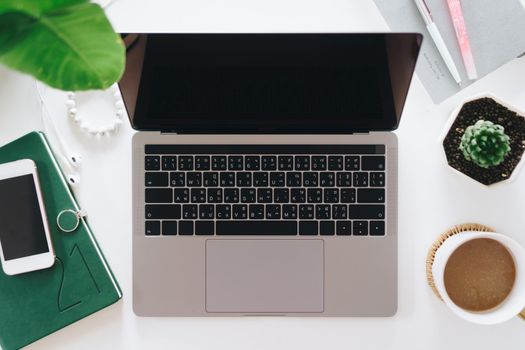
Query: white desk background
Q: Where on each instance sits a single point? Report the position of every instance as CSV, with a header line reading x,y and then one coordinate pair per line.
x,y
431,198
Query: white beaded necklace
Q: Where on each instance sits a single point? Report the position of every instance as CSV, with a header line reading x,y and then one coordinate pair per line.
x,y
104,130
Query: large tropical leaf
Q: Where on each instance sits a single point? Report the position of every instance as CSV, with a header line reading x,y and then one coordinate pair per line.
x,y
35,6
67,44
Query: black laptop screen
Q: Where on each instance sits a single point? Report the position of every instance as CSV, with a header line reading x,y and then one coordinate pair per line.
x,y
263,82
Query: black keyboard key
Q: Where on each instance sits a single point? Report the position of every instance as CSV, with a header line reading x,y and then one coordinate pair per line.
x,y
252,163
310,179
366,212
373,163
377,179
273,211
194,179
331,195
227,179
240,212
214,195
186,228
335,162
348,195
204,227
327,179
185,163
370,195
277,179
343,228
264,195
257,211
302,163
202,163
298,195
327,228
306,211
190,211
308,228
260,179
159,195
315,195
223,211
344,179
152,163
235,162
206,211
177,179
211,179
163,211
352,163
152,228
339,211
293,179
248,195
360,228
360,179
269,163
218,163
318,163
285,162
256,227
322,211
281,195
377,228
289,211
198,195
169,163
181,195
244,179
156,179
169,228
231,195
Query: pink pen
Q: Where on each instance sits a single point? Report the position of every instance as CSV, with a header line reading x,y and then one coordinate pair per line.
x,y
454,7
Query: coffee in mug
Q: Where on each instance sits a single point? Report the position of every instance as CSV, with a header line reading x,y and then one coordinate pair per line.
x,y
479,274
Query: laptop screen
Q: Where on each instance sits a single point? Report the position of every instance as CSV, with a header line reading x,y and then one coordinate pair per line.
x,y
289,83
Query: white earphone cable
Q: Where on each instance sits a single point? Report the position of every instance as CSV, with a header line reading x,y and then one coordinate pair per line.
x,y
67,160
106,3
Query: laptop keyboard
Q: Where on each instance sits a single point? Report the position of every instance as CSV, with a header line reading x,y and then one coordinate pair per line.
x,y
265,190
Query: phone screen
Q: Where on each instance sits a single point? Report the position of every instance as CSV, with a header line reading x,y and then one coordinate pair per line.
x,y
22,230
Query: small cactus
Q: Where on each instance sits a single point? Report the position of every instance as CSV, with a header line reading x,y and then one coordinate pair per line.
x,y
485,144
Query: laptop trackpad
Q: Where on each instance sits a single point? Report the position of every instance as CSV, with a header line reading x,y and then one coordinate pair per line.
x,y
259,276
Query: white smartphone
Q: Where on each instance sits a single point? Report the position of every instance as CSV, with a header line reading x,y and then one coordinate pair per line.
x,y
25,242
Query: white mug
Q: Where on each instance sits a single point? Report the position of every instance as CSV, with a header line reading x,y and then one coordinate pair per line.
x,y
515,301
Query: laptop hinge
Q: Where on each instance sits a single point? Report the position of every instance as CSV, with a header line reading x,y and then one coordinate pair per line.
x,y
175,133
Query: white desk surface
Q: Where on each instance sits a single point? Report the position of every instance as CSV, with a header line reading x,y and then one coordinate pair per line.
x,y
431,198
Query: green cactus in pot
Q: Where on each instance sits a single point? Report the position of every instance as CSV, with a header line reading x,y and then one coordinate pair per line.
x,y
485,144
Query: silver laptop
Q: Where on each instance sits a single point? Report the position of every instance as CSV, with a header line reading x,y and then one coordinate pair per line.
x,y
265,172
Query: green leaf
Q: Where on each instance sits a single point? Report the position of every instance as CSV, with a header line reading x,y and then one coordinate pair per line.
x,y
67,44
35,6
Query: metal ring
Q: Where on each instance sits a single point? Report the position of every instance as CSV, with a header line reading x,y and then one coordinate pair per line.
x,y
75,214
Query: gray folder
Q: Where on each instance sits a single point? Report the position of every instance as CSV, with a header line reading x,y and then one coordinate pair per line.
x,y
496,30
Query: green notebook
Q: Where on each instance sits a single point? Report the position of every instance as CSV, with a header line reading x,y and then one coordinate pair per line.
x,y
35,304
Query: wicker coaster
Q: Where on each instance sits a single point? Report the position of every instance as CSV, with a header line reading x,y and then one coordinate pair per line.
x,y
439,241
